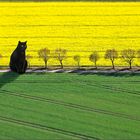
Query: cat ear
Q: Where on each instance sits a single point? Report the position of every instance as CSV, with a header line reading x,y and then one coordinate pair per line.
x,y
19,42
25,41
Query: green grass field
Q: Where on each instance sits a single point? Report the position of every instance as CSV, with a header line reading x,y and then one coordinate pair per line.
x,y
69,106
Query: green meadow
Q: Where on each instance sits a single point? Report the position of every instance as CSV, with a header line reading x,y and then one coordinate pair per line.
x,y
69,106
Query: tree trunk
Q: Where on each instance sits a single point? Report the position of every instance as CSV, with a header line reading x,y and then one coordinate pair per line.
x,y
61,64
28,64
45,64
113,67
130,65
95,65
78,65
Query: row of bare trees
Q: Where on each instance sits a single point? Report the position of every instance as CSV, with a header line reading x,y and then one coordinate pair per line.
x,y
127,55
60,55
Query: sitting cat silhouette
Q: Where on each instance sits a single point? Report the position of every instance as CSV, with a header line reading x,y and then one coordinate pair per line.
x,y
18,62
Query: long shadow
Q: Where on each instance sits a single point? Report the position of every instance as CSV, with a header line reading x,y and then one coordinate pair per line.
x,y
7,77
114,74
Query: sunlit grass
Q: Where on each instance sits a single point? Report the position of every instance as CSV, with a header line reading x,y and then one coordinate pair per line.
x,y
104,107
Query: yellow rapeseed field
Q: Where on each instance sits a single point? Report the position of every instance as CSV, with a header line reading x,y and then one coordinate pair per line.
x,y
79,27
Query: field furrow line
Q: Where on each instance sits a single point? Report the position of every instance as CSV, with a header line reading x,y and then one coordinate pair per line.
x,y
116,89
70,105
47,128
120,89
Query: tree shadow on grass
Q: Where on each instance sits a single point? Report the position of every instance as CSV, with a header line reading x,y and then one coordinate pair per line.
x,y
7,77
114,74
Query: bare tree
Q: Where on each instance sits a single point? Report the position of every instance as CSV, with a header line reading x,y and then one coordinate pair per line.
x,y
28,58
77,58
128,55
44,54
112,55
94,57
60,55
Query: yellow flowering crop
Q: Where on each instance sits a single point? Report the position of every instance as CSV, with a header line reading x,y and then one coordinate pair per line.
x,y
79,27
